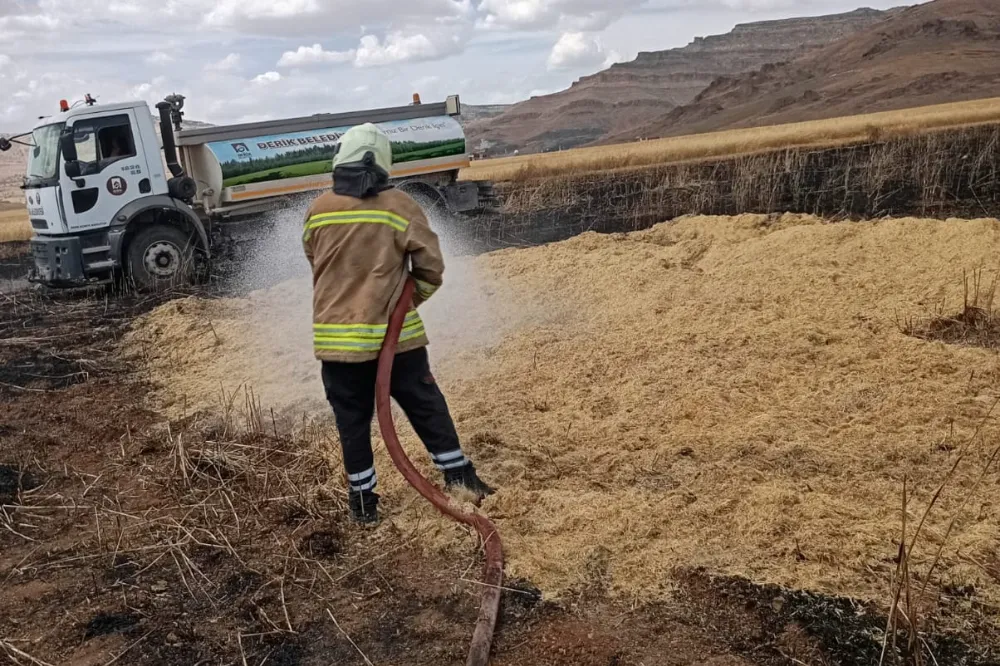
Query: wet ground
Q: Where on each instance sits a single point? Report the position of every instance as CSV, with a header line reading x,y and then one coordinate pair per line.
x,y
15,263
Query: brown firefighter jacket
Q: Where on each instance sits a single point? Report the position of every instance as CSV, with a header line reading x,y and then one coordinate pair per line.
x,y
359,250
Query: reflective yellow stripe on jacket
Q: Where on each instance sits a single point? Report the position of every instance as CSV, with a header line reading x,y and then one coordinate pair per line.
x,y
425,289
355,217
362,338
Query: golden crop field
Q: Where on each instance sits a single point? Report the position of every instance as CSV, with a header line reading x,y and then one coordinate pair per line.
x,y
14,225
819,133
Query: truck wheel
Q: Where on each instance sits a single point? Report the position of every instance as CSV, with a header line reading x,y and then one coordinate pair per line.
x,y
160,256
434,207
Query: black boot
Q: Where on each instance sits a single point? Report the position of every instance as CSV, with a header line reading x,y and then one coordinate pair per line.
x,y
364,506
466,477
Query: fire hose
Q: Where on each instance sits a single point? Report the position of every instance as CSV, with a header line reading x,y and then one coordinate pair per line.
x,y
482,637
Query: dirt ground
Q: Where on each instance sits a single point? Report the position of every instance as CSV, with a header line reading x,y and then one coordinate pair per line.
x,y
213,538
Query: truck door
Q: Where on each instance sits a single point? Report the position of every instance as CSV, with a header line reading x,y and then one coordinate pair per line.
x,y
113,170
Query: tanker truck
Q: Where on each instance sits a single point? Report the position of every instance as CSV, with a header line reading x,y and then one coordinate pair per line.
x,y
112,193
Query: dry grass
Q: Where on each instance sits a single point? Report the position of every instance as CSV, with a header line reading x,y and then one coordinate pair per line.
x,y
732,393
209,524
976,324
947,173
820,133
14,225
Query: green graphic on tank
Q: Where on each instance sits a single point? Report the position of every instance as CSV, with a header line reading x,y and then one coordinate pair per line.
x,y
278,157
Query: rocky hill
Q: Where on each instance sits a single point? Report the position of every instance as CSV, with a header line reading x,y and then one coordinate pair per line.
x,y
629,95
474,112
942,51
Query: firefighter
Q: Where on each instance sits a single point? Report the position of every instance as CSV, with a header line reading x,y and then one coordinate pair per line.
x,y
363,240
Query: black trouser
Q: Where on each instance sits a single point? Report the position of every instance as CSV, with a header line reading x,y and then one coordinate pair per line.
x,y
350,389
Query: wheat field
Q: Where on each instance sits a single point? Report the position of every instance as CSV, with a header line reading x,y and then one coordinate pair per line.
x,y
819,133
14,225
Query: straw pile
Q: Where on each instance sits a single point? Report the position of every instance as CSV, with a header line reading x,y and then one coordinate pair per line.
x,y
733,393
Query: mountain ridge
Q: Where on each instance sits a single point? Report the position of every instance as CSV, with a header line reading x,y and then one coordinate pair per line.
x,y
629,95
941,51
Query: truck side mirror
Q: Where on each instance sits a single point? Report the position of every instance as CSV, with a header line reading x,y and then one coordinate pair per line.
x,y
67,146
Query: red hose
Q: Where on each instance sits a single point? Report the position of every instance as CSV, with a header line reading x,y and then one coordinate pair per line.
x,y
482,637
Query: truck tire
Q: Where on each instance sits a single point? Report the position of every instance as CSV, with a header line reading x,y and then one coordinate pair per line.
x,y
433,204
160,257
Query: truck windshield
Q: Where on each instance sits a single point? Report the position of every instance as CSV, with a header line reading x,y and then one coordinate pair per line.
x,y
43,160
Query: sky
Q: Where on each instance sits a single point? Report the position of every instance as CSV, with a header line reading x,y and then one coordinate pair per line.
x,y
248,60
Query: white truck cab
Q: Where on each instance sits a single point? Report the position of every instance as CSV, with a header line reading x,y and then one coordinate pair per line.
x,y
103,199
95,181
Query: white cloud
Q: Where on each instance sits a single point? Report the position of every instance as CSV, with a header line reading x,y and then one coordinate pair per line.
x,y
758,5
317,17
571,15
23,24
5,61
159,58
314,55
153,91
396,48
228,12
267,78
228,64
577,50
614,57
518,13
141,90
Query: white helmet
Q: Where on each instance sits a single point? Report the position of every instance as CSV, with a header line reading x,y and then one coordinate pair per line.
x,y
360,140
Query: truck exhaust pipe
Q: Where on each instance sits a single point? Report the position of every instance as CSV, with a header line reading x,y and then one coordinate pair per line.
x,y
180,186
166,110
